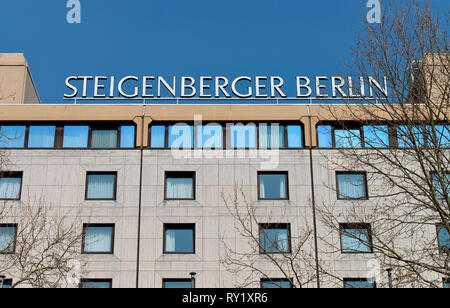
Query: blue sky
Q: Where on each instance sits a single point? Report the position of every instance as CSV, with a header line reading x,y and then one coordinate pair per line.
x,y
181,37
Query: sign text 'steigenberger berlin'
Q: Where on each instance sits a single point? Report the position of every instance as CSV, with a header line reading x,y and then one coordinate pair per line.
x,y
222,87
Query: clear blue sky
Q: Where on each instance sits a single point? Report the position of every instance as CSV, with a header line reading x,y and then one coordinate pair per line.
x,y
181,37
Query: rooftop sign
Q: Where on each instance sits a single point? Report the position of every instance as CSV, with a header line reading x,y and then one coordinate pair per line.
x,y
207,87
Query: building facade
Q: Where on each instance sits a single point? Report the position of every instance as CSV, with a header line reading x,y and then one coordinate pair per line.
x,y
118,164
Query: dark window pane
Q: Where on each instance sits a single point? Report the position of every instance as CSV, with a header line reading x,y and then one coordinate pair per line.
x,y
351,186
294,136
181,136
127,137
7,238
7,284
98,239
274,239
437,183
273,186
42,137
76,136
96,284
324,133
444,238
179,239
104,138
358,284
356,240
12,136
276,284
177,284
158,133
10,187
101,186
210,136
271,136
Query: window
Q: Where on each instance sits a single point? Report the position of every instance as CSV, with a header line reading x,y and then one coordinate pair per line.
x,y
410,136
96,284
295,136
101,186
324,135
210,136
275,238
180,186
443,238
42,137
179,238
7,284
76,136
104,138
98,239
273,185
127,137
271,136
177,284
439,137
347,138
8,234
12,136
437,183
351,186
243,136
356,238
358,283
275,284
446,283
10,185
376,136
158,137
181,136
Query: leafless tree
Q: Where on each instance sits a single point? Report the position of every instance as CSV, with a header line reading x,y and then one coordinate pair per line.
x,y
404,148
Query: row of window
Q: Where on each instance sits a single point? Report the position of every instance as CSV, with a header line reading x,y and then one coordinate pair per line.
x,y
382,136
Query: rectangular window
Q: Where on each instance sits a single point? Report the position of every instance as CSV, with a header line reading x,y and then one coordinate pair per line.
x,y
76,136
441,137
181,136
275,238
177,284
358,283
351,186
410,136
96,284
243,136
8,234
104,138
273,186
443,238
158,137
271,136
7,284
42,137
275,284
127,137
347,138
180,186
356,238
446,283
179,238
295,136
12,136
376,136
101,186
210,136
10,185
324,135
439,188
98,239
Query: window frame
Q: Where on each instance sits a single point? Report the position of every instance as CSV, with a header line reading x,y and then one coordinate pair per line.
x,y
164,280
347,280
276,279
13,174
180,174
13,250
441,249
262,226
113,238
286,173
181,226
354,226
87,280
366,185
88,173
